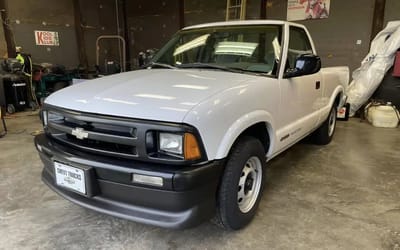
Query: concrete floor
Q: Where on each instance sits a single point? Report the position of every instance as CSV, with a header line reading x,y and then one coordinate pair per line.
x,y
342,196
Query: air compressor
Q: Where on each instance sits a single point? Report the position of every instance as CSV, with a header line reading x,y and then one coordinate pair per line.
x,y
13,86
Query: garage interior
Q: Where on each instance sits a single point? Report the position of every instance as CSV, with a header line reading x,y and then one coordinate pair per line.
x,y
345,195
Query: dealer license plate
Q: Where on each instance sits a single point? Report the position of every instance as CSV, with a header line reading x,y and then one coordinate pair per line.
x,y
70,177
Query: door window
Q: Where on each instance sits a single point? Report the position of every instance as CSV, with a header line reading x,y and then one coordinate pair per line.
x,y
299,44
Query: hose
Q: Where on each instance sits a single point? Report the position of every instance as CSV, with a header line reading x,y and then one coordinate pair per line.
x,y
33,94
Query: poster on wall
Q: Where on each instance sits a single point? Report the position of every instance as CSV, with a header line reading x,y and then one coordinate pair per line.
x,y
47,38
307,9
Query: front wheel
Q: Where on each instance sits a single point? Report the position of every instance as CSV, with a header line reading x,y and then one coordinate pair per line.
x,y
242,184
324,134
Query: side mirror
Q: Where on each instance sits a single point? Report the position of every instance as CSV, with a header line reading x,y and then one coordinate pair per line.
x,y
306,64
145,57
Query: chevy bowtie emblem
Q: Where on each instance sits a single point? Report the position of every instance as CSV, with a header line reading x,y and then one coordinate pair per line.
x,y
80,133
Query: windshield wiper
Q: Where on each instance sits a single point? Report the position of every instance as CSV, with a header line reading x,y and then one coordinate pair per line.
x,y
157,64
200,65
256,72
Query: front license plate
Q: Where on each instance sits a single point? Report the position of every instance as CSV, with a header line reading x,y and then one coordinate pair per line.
x,y
70,177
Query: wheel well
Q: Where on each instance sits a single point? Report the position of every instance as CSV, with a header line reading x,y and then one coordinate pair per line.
x,y
338,98
258,131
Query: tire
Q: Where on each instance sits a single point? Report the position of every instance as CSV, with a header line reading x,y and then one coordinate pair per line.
x,y
11,109
324,134
242,184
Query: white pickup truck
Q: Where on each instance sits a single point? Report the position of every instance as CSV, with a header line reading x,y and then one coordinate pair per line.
x,y
188,138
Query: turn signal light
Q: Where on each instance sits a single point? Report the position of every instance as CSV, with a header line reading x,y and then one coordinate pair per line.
x,y
192,150
149,180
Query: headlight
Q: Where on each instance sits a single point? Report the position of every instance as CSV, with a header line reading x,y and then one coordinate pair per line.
x,y
51,116
182,145
54,116
171,143
44,117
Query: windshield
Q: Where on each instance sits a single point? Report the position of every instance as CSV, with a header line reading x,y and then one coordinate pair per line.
x,y
242,48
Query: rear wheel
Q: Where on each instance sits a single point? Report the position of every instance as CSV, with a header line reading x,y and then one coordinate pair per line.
x,y
242,184
324,134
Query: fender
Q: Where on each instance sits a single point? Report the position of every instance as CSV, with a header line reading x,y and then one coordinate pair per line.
x,y
339,91
240,125
336,80
324,111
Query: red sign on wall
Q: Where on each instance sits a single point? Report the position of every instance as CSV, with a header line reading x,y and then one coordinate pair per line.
x,y
47,38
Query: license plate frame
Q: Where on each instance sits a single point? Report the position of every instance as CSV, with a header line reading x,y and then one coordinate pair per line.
x,y
70,177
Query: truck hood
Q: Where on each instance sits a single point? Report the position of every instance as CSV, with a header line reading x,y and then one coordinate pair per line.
x,y
156,94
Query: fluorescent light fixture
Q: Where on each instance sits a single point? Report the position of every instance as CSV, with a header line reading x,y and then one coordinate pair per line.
x,y
120,101
239,86
235,48
189,103
174,109
162,97
147,179
199,41
82,101
277,48
187,86
300,52
201,77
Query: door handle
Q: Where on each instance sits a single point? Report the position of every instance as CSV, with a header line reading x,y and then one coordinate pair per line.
x,y
317,85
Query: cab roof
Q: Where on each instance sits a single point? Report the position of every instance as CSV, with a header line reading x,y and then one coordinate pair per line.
x,y
241,22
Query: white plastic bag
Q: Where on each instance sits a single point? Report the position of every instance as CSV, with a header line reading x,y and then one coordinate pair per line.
x,y
379,60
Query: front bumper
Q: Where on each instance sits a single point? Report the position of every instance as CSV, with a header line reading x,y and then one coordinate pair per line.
x,y
187,198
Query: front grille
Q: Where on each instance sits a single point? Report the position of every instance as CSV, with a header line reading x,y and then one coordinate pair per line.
x,y
118,137
97,145
100,136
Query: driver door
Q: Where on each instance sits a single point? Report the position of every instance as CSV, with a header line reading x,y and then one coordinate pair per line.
x,y
299,95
